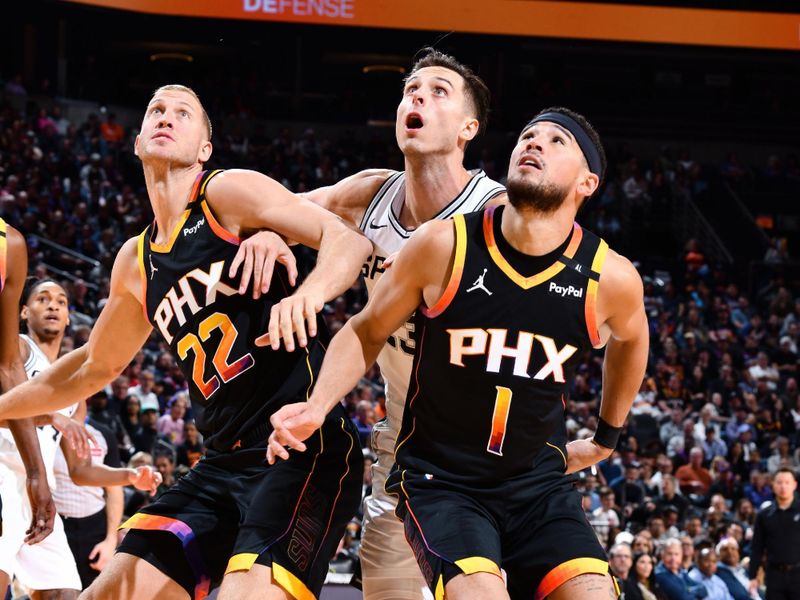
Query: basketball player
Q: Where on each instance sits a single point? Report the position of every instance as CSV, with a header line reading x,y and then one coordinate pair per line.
x,y
444,106
274,530
509,299
48,567
13,270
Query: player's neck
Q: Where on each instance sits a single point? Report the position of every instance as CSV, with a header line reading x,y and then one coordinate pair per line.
x,y
50,347
168,189
785,503
535,233
431,184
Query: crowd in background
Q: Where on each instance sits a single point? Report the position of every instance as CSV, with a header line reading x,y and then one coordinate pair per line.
x,y
717,413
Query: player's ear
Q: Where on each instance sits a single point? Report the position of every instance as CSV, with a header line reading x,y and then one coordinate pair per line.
x,y
588,184
23,314
205,152
470,129
136,146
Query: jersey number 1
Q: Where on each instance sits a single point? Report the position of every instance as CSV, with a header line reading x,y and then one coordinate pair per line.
x,y
502,404
226,370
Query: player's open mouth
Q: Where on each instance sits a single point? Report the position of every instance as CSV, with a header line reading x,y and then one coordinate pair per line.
x,y
414,121
530,161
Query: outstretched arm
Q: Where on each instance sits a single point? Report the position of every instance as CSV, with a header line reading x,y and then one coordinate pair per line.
x,y
119,333
12,374
247,200
418,276
621,298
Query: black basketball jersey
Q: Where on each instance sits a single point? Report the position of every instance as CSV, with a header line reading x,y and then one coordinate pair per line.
x,y
211,329
495,355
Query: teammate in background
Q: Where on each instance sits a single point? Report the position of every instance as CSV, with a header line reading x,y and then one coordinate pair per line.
x,y
444,106
480,482
40,508
272,529
46,316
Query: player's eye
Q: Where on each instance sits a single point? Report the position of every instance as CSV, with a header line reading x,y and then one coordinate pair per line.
x,y
411,88
559,140
184,113
440,91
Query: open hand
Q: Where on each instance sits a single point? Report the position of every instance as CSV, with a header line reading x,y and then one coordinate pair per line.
x,y
258,255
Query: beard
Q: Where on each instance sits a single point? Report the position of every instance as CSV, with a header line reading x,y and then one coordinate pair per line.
x,y
539,197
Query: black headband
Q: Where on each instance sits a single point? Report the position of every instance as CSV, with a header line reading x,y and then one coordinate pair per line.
x,y
587,146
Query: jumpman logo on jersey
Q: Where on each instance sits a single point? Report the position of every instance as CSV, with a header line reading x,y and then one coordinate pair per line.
x,y
478,285
153,268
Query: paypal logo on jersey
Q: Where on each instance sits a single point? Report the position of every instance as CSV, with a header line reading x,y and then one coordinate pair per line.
x,y
191,230
565,290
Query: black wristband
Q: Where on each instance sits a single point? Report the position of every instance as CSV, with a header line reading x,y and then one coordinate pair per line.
x,y
606,435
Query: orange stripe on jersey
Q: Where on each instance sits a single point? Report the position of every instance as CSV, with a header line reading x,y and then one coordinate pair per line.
x,y
455,273
591,295
3,253
218,229
534,280
568,570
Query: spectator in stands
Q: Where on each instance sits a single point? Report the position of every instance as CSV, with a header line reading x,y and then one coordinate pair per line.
x,y
670,497
364,420
192,449
765,372
759,490
705,574
782,456
165,463
146,435
713,446
130,414
629,489
672,579
640,584
643,543
170,425
144,390
619,560
694,478
731,572
605,518
113,133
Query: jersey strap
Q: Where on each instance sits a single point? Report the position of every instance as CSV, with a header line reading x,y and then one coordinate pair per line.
x,y
591,294
216,227
455,273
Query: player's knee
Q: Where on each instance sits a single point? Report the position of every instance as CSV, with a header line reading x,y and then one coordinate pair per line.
x,y
588,586
476,586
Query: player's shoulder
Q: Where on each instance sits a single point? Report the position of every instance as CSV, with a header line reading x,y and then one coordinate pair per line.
x,y
360,188
620,272
125,271
14,239
234,180
434,237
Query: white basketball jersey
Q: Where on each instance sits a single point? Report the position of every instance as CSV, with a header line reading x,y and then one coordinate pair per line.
x,y
381,224
49,437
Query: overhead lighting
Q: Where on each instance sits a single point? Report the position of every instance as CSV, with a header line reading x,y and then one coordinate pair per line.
x,y
383,69
180,56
